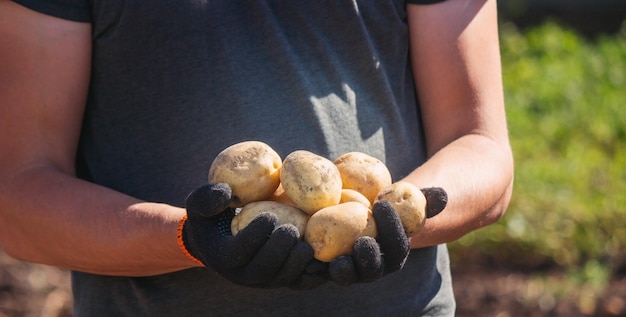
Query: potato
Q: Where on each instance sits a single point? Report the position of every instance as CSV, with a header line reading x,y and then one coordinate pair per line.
x,y
286,215
332,231
251,168
363,173
352,195
281,196
410,204
311,181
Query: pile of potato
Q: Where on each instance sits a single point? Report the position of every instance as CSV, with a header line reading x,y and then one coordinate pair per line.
x,y
329,202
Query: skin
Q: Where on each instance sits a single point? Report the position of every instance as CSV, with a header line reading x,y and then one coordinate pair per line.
x,y
45,68
44,208
458,79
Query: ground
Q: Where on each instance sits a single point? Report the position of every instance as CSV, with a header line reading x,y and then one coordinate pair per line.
x,y
506,293
28,290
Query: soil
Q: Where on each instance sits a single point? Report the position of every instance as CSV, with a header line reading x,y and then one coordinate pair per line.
x,y
506,293
31,290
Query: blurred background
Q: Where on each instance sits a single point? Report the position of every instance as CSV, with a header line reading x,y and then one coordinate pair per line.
x,y
560,249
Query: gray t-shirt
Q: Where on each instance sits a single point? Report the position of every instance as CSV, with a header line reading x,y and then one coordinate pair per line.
x,y
175,82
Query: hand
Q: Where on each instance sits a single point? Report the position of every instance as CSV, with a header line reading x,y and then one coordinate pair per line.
x,y
261,255
372,258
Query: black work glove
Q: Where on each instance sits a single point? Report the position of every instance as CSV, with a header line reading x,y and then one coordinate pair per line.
x,y
261,255
372,258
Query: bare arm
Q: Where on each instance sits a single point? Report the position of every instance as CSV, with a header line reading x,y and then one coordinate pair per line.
x,y
456,63
47,215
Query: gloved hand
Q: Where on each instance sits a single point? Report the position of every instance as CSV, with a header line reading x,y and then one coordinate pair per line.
x,y
372,258
261,255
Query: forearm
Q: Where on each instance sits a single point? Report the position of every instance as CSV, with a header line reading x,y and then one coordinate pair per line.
x,y
53,218
459,84
477,173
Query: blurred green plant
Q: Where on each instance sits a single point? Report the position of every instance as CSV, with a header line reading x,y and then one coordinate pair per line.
x,y
566,105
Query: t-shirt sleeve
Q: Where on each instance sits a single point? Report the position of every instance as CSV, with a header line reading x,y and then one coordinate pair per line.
x,y
424,1
74,10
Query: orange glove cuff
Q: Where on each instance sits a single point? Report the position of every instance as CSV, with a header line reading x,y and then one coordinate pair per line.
x,y
181,244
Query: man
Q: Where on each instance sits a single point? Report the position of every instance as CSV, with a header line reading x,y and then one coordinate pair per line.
x,y
112,111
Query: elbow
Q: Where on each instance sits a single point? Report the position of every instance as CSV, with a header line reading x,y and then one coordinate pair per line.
x,y
16,248
499,208
8,242
8,245
11,242
500,204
